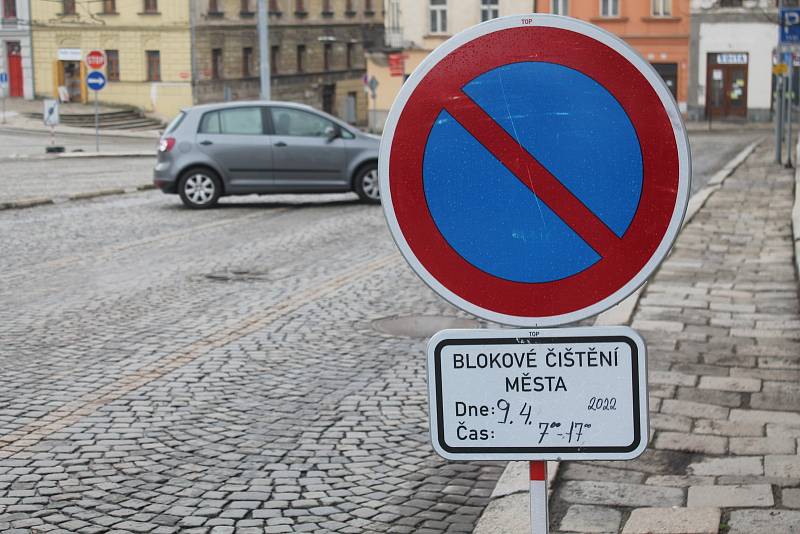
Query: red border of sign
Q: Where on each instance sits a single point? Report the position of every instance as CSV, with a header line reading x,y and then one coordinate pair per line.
x,y
661,170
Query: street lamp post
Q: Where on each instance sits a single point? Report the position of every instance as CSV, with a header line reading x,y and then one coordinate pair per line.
x,y
263,47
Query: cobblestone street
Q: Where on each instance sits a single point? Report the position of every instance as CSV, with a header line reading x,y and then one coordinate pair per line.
x,y
176,371
721,321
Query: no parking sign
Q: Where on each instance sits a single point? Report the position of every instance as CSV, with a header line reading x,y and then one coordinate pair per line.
x,y
534,170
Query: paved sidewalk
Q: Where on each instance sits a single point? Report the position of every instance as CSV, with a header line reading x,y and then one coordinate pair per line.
x,y
721,321
17,108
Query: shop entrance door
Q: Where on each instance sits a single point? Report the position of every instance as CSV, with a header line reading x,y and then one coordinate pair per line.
x,y
14,62
726,85
72,79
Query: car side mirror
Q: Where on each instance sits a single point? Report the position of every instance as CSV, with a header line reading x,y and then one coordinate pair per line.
x,y
332,132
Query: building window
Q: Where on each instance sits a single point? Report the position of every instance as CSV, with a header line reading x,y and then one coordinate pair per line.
x,y
327,50
112,65
662,8
350,48
153,65
299,6
274,59
245,7
109,7
609,8
301,58
489,10
213,7
348,8
216,64
68,7
730,3
438,11
274,7
151,6
368,9
247,62
9,9
327,8
559,7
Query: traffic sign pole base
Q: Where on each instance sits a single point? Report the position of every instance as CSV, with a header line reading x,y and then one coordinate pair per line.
x,y
540,522
54,149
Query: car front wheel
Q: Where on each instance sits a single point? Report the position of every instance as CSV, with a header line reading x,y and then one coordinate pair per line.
x,y
367,184
199,189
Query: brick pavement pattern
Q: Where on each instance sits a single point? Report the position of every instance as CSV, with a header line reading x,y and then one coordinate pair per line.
x,y
722,323
171,371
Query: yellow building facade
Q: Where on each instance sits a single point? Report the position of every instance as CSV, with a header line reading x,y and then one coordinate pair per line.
x,y
147,43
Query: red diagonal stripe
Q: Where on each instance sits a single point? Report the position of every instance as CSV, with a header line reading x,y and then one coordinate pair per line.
x,y
533,174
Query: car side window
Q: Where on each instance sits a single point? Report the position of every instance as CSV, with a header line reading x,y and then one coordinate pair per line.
x,y
297,123
234,121
210,123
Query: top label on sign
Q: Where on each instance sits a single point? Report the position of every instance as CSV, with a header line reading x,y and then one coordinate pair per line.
x,y
534,170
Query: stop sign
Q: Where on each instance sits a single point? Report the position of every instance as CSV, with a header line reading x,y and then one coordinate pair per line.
x,y
96,59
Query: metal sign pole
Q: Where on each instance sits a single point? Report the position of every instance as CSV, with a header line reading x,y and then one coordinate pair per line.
x,y
96,125
779,122
789,106
779,97
540,522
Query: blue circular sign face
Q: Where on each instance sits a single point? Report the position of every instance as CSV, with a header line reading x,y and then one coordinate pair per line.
x,y
576,129
95,80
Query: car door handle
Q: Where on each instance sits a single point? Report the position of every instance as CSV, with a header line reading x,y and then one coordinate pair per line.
x,y
206,143
280,144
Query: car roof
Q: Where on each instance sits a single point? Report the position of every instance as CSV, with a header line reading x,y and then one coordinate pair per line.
x,y
239,103
202,108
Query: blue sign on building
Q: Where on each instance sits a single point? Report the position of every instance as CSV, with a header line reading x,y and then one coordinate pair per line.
x,y
790,25
95,80
3,79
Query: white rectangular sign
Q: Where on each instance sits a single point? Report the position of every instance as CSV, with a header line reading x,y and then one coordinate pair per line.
x,y
538,394
50,112
69,54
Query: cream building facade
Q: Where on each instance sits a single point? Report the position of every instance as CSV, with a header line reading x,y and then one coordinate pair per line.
x,y
147,43
164,55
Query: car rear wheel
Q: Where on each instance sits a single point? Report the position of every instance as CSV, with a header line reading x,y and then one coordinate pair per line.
x,y
200,188
367,184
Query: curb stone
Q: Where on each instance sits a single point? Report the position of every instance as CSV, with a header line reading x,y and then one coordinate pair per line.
x,y
73,130
501,515
131,154
34,202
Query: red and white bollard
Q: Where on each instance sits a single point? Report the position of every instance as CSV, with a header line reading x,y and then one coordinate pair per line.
x,y
539,519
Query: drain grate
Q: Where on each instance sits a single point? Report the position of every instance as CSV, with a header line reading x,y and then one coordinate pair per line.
x,y
421,326
239,276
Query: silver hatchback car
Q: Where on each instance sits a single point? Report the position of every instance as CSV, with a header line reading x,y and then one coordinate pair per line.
x,y
239,148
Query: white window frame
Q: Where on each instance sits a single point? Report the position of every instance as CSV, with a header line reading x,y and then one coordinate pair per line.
x,y
559,7
661,8
437,17
609,8
489,10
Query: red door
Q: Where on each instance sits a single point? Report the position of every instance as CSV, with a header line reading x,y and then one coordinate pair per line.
x,y
14,69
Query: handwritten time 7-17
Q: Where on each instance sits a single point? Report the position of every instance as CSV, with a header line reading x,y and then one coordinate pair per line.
x,y
570,431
